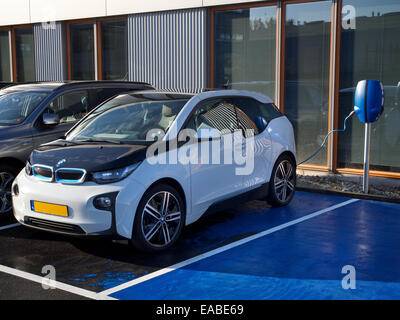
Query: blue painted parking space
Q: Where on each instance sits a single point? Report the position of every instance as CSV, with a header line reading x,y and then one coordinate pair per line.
x,y
101,265
302,261
252,251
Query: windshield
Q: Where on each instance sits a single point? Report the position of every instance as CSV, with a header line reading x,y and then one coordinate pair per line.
x,y
127,119
17,106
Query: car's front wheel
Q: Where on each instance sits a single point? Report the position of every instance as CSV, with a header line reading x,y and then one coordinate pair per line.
x,y
282,185
7,176
159,219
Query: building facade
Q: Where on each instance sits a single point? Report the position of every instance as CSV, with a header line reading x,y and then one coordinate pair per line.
x,y
307,55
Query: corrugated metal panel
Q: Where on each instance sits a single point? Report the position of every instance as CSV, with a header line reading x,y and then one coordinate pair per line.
x,y
168,49
49,52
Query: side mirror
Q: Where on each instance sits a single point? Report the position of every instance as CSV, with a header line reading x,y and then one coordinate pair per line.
x,y
369,100
50,119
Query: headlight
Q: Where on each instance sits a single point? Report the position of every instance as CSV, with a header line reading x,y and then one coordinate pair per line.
x,y
28,169
111,176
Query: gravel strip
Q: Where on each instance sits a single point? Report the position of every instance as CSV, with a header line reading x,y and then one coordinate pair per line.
x,y
335,184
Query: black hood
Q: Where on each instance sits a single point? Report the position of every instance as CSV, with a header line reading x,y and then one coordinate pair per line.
x,y
92,156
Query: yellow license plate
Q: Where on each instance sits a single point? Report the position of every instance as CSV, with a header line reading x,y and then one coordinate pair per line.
x,y
49,208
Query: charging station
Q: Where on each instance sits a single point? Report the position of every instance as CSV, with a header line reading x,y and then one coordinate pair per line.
x,y
369,106
369,101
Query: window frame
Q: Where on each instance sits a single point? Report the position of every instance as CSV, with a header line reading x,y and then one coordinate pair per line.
x,y
213,10
13,49
11,70
97,45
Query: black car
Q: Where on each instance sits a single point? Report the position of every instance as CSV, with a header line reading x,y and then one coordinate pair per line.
x,y
36,113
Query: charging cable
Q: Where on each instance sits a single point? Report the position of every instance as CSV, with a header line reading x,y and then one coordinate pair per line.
x,y
326,138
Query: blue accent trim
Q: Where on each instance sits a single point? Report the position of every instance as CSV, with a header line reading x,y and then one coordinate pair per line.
x,y
40,176
67,181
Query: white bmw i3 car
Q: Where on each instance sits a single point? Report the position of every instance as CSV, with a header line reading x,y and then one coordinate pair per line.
x,y
143,165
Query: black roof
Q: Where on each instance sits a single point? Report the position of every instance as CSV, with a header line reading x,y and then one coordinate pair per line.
x,y
51,86
161,95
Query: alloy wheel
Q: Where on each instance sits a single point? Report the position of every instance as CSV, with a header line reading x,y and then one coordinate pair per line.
x,y
161,219
284,181
6,180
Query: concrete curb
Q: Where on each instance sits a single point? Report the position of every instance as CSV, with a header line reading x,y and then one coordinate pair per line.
x,y
350,195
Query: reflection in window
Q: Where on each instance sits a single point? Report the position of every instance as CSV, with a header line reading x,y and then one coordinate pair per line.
x,y
4,56
307,52
114,50
25,54
82,51
215,114
245,42
15,107
71,107
371,51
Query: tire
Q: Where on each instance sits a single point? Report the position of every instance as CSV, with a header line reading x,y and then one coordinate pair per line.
x,y
155,229
282,185
7,176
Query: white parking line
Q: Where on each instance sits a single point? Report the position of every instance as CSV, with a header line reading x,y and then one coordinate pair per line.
x,y
224,248
10,226
58,285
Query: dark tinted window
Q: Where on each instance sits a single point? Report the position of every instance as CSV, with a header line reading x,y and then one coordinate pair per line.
x,y
114,41
4,56
71,106
254,114
82,51
25,54
104,94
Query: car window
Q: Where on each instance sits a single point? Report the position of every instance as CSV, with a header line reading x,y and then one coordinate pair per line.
x,y
255,115
128,122
103,94
71,106
15,107
217,114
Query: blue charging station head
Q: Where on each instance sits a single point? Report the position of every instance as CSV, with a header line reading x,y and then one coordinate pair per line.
x,y
369,100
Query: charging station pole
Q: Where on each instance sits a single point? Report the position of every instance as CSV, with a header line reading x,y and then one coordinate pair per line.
x,y
367,149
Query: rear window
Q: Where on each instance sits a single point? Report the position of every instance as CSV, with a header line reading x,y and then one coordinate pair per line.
x,y
258,113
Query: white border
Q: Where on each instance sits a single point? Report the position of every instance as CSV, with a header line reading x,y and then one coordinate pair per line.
x,y
58,285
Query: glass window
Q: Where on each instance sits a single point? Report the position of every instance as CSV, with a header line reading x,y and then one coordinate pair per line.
x,y
15,107
245,43
104,94
25,54
5,74
371,51
82,51
217,114
307,52
71,107
114,50
128,122
253,114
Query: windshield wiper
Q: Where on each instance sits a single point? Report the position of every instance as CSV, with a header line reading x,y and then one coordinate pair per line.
x,y
97,141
